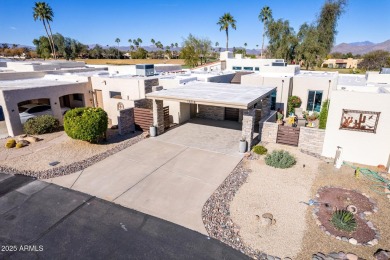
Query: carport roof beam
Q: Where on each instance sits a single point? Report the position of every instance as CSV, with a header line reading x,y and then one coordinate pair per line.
x,y
215,94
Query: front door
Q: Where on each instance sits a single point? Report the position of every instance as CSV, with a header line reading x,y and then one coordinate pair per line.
x,y
99,98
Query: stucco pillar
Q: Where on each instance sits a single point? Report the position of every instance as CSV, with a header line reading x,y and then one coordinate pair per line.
x,y
265,106
158,115
248,126
12,120
56,109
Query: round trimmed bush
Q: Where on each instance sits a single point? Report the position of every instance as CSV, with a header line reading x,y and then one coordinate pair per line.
x,y
259,149
41,125
280,159
86,123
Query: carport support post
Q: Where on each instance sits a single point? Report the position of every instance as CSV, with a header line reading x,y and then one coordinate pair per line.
x,y
56,109
265,106
248,126
158,116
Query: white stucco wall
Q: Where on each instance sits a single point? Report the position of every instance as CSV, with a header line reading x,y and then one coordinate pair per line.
x,y
282,84
130,88
360,147
179,112
303,83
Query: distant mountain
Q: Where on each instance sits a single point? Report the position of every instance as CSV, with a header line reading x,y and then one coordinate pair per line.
x,y
18,46
361,47
365,43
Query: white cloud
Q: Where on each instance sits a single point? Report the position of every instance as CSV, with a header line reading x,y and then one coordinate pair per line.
x,y
13,28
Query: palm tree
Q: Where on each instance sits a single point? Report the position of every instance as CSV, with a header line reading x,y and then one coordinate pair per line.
x,y
139,41
265,16
44,13
224,22
130,42
117,40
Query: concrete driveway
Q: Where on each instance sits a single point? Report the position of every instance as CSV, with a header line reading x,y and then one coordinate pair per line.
x,y
168,180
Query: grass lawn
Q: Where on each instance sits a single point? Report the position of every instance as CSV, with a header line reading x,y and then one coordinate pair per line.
x,y
341,71
130,61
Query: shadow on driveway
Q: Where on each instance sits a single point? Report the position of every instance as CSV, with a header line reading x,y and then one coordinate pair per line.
x,y
39,220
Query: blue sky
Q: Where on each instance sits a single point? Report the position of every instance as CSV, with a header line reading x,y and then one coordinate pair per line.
x,y
170,21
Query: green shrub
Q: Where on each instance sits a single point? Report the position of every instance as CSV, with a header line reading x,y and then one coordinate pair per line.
x,y
259,149
280,159
343,220
41,125
292,103
86,123
324,114
18,145
10,143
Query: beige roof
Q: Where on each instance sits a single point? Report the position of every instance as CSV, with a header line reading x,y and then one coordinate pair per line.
x,y
214,94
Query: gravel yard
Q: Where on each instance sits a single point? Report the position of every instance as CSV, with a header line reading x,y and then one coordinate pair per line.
x,y
72,155
233,214
279,192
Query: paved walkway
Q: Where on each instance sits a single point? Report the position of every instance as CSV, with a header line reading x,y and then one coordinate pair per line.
x,y
160,178
39,220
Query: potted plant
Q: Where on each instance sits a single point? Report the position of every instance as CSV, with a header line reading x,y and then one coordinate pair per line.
x,y
242,146
310,118
153,131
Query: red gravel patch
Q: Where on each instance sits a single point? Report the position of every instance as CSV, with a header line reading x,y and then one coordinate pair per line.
x,y
332,199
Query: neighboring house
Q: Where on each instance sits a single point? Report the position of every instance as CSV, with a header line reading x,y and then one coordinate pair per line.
x,y
53,90
349,63
238,63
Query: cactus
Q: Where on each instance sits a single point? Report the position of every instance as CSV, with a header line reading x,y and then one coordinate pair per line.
x,y
10,143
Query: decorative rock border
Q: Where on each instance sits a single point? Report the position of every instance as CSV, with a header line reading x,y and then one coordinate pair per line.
x,y
362,215
335,256
216,215
76,166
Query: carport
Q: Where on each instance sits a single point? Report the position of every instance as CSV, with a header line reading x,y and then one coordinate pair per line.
x,y
214,101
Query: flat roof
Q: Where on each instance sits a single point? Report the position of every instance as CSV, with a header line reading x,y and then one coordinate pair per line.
x,y
317,74
214,94
46,81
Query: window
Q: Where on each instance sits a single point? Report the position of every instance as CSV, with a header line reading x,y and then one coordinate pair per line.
x,y
273,100
78,97
314,100
257,69
248,68
115,94
237,68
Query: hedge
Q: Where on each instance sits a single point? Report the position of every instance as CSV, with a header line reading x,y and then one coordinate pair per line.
x,y
41,125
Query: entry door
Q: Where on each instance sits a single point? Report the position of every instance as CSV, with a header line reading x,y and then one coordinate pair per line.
x,y
99,98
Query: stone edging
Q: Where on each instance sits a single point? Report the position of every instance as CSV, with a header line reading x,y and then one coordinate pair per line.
x,y
216,214
76,166
362,215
